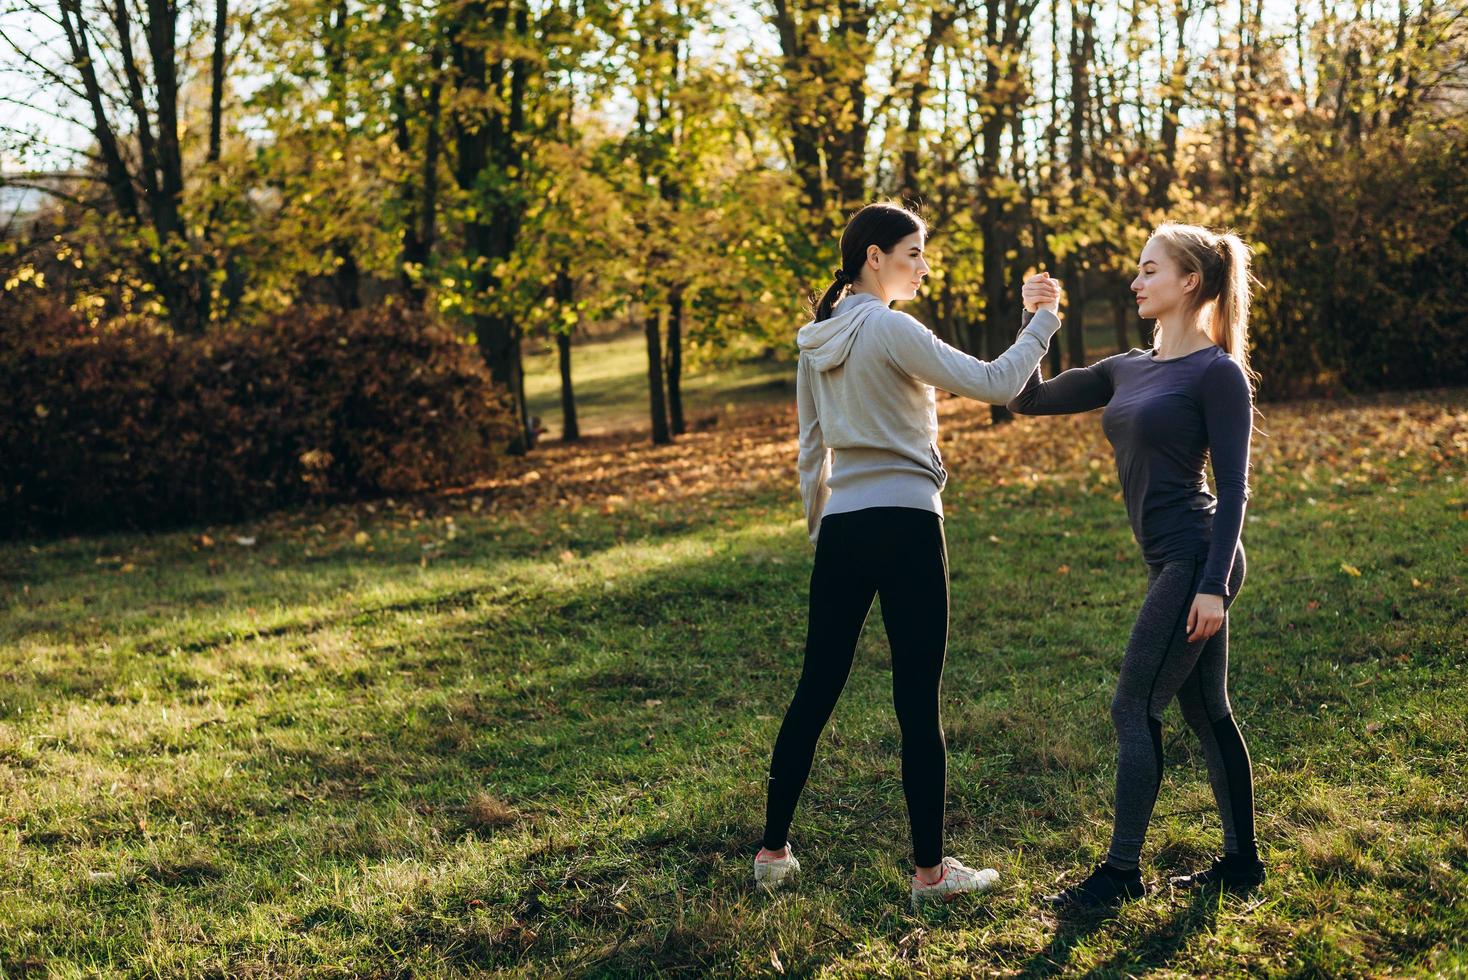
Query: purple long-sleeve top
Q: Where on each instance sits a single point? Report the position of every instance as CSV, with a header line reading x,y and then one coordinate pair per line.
x,y
1164,418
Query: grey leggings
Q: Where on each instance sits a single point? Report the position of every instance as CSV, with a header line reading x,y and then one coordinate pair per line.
x,y
1161,664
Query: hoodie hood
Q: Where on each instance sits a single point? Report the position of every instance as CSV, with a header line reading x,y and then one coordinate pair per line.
x,y
828,343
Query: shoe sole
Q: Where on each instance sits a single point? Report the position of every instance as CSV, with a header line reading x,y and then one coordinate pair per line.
x,y
1184,885
770,885
915,902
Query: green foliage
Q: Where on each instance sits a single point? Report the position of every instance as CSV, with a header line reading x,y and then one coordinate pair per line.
x,y
527,168
1365,267
133,426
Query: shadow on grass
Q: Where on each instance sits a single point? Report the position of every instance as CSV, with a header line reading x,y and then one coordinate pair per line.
x,y
1143,950
546,696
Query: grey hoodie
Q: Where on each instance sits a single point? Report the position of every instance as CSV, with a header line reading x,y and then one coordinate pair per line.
x,y
868,416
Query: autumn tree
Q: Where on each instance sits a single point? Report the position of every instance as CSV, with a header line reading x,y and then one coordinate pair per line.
x,y
122,70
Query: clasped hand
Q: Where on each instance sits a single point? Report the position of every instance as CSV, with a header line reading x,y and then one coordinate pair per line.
x,y
1041,292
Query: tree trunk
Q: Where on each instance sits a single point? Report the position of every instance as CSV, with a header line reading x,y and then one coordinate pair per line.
x,y
570,430
346,280
233,287
500,346
657,402
1075,328
825,103
1082,46
1121,313
1045,260
998,330
346,277
1172,105
420,197
486,130
938,23
675,361
216,78
180,284
1246,116
565,295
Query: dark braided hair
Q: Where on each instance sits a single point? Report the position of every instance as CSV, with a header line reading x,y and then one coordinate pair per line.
x,y
882,224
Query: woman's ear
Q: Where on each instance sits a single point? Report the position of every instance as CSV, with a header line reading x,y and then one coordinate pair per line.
x,y
873,251
1190,283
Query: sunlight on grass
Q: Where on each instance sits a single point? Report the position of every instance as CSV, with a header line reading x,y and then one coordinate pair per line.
x,y
609,377
426,737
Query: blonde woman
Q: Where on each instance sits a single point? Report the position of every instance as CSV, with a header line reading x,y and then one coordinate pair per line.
x,y
1168,410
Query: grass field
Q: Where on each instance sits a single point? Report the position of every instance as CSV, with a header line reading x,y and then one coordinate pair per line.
x,y
522,728
609,377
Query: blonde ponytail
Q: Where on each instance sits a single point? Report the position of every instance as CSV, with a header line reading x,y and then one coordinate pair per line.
x,y
1221,261
1230,327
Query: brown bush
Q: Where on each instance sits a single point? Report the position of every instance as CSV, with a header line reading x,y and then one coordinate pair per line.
x,y
135,427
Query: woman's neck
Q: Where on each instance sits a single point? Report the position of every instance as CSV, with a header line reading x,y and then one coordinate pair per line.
x,y
1181,334
859,288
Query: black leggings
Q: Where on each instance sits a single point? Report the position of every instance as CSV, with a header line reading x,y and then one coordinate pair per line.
x,y
1160,665
900,554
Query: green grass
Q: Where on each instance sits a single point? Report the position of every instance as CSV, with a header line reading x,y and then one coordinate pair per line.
x,y
609,377
433,740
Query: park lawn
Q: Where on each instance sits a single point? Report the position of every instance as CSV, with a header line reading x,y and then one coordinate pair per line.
x,y
522,729
609,377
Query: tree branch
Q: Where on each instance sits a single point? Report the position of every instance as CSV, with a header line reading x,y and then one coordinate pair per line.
x,y
50,73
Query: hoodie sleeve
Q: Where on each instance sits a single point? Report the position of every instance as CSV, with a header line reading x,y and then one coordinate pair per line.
x,y
814,461
917,350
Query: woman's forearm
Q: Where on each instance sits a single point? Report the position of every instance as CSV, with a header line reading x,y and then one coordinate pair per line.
x,y
1077,390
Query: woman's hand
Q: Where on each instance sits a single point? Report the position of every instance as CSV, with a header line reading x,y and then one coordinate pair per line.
x,y
1041,292
1205,618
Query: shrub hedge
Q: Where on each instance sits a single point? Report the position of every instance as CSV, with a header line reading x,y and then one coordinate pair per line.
x,y
135,427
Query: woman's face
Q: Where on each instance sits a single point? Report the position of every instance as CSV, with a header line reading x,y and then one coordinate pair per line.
x,y
1161,286
900,272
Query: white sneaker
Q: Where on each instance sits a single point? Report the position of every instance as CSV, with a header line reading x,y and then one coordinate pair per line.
x,y
770,872
957,878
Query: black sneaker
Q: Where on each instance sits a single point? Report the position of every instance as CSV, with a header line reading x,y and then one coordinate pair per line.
x,y
1229,872
1104,888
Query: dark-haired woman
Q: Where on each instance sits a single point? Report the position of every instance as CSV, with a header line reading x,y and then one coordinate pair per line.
x,y
1167,411
871,478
